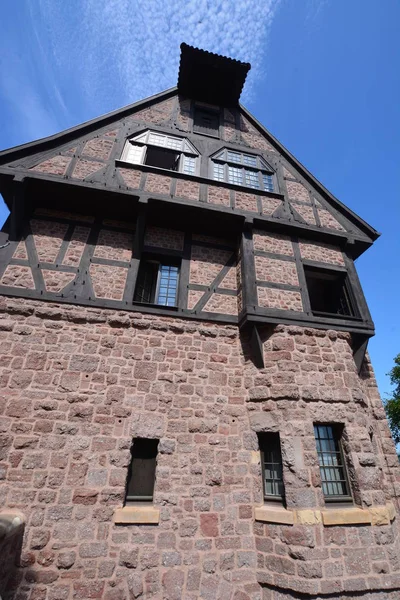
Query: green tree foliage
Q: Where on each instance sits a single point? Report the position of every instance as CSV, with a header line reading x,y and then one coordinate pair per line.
x,y
392,405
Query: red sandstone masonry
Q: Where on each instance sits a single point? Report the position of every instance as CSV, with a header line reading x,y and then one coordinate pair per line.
x,y
160,237
84,168
245,201
98,148
321,252
272,242
57,165
55,281
276,271
218,195
187,189
282,299
131,177
114,245
328,220
80,383
306,212
157,184
297,191
206,263
48,237
108,281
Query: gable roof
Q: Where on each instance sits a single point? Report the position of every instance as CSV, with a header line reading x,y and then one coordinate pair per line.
x,y
83,154
58,139
335,203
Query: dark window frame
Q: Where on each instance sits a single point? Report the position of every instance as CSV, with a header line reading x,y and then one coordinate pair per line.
x,y
260,168
347,305
142,449
337,436
157,264
269,442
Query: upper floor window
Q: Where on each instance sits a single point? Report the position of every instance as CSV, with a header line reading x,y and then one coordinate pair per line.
x,y
206,122
243,169
329,292
157,282
163,151
335,485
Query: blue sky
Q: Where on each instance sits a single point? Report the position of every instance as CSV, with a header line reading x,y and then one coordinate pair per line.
x,y
325,80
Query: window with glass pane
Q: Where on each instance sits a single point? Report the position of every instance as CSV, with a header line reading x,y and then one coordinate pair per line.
x,y
142,471
235,175
335,485
218,172
167,285
157,283
251,179
189,165
268,183
271,461
233,167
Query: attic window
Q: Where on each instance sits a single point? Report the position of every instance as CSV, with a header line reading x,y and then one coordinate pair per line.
x,y
329,292
243,169
161,151
206,122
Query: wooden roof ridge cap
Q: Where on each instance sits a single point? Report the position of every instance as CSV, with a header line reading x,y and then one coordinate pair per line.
x,y
100,121
325,192
196,58
185,46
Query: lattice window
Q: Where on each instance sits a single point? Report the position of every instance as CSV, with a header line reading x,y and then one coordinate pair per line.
x,y
243,169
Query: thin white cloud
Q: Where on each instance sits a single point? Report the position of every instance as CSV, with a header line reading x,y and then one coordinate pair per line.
x,y
119,51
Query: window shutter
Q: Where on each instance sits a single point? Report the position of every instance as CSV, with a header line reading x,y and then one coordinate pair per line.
x,y
206,122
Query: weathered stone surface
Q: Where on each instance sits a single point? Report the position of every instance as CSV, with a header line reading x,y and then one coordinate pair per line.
x,y
87,387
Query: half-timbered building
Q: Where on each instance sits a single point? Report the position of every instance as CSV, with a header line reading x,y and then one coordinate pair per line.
x,y
188,408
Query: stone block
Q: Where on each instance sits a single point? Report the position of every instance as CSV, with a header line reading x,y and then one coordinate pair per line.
x,y
271,514
346,516
137,514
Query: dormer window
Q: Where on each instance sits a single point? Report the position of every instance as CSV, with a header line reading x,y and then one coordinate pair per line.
x,y
243,169
162,151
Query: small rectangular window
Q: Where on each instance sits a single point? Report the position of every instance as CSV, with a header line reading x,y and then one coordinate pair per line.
x,y
329,292
142,471
157,283
271,463
206,122
335,485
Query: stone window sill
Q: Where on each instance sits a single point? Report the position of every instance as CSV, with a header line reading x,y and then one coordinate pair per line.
x,y
272,514
376,515
137,515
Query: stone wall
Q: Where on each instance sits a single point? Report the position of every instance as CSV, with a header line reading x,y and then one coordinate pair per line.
x,y
80,384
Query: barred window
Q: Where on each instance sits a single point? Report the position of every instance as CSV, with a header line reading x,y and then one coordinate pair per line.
x,y
163,151
157,283
335,485
142,471
271,462
243,169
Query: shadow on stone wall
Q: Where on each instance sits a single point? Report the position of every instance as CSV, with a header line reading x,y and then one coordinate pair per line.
x,y
12,525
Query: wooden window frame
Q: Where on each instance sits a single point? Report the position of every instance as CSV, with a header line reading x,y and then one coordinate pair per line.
x,y
337,435
160,262
261,168
271,440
